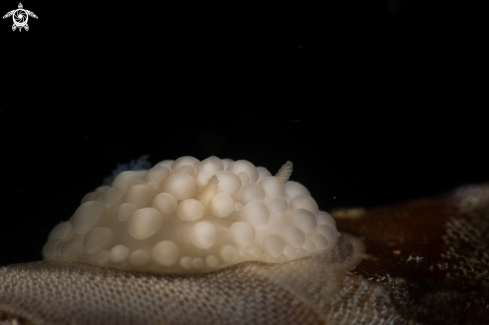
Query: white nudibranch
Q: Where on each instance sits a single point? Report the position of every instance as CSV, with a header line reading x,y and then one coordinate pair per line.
x,y
190,216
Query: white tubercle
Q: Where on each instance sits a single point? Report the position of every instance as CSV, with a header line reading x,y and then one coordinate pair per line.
x,y
139,258
165,203
87,216
190,210
184,161
144,223
97,239
181,186
243,233
211,165
119,254
294,236
203,234
61,231
222,205
273,186
191,216
252,192
228,182
157,174
256,213
165,253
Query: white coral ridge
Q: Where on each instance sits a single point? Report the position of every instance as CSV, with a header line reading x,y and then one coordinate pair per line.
x,y
189,216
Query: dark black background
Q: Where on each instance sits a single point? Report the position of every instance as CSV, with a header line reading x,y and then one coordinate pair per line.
x,y
372,108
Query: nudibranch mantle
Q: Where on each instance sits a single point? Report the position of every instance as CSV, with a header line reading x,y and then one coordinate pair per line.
x,y
191,216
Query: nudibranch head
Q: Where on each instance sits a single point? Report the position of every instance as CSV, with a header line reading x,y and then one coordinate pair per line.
x,y
190,216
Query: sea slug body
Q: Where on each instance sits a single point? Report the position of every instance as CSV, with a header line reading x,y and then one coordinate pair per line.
x,y
191,216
